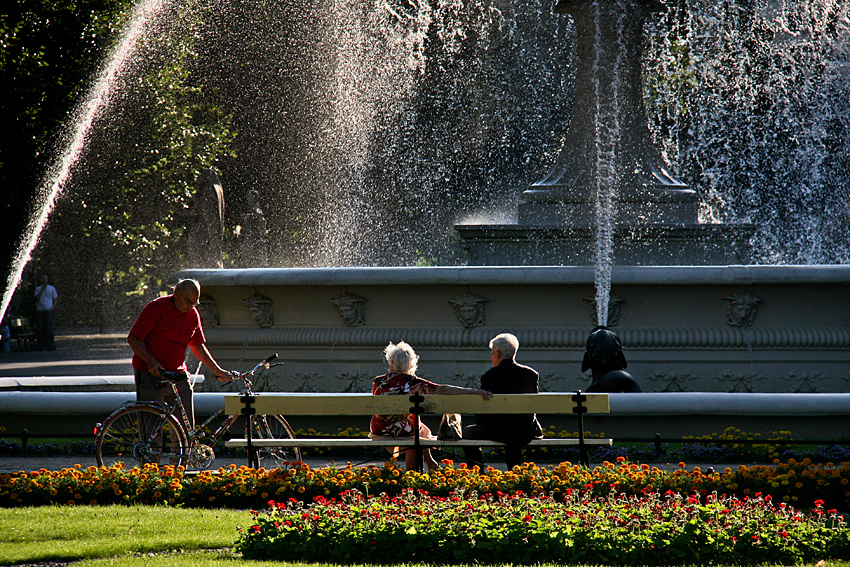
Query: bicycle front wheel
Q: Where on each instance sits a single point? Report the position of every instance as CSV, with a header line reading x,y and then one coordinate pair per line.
x,y
138,435
274,427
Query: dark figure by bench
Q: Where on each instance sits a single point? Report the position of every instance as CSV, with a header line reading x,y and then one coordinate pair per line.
x,y
603,355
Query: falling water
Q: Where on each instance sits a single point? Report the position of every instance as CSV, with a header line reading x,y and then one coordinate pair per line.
x,y
606,123
76,136
749,103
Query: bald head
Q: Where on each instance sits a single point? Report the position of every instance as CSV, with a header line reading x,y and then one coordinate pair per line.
x,y
186,295
188,285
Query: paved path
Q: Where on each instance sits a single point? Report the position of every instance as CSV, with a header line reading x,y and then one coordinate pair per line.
x,y
77,354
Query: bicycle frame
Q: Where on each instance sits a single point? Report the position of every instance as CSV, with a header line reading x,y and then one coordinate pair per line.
x,y
149,419
194,435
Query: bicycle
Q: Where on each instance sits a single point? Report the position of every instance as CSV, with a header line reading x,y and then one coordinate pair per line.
x,y
144,432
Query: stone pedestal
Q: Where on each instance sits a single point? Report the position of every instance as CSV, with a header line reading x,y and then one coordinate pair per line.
x,y
608,146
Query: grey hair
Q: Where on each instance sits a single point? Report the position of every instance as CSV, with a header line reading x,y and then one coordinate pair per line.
x,y
505,344
401,358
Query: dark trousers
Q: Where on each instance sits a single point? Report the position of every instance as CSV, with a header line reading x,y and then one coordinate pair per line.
x,y
149,390
474,456
44,330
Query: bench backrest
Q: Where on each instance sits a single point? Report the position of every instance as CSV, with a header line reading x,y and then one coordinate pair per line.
x,y
366,404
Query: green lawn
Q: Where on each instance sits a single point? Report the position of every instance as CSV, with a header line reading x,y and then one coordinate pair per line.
x,y
114,533
128,536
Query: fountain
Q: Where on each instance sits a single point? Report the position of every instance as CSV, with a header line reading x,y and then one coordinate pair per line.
x,y
692,315
609,173
746,317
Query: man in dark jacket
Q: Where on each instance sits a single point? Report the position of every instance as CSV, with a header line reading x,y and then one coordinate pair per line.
x,y
506,377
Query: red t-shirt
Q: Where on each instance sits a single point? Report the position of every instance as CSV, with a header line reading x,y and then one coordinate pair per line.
x,y
167,333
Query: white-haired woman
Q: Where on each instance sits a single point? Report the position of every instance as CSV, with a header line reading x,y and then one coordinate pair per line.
x,y
402,379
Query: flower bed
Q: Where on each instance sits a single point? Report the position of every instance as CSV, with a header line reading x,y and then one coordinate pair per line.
x,y
580,528
796,483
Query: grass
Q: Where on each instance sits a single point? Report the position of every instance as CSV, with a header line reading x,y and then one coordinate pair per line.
x,y
65,533
131,536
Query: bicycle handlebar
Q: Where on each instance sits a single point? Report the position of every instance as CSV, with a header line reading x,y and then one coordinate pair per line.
x,y
243,376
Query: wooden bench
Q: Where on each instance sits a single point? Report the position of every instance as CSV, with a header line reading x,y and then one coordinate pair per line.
x,y
22,333
292,404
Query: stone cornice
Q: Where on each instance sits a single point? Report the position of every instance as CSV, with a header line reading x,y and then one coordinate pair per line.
x,y
530,275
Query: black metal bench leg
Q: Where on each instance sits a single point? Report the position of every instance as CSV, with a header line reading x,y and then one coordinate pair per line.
x,y
248,411
580,410
417,410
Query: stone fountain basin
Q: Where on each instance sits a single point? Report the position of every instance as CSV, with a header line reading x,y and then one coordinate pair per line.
x,y
676,323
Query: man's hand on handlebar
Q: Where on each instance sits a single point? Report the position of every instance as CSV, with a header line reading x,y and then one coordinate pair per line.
x,y
229,376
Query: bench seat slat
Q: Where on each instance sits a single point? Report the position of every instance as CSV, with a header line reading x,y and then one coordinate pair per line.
x,y
405,442
287,404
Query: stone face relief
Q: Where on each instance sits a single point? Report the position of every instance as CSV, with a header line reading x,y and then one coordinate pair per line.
x,y
613,310
469,309
741,309
351,309
261,309
208,311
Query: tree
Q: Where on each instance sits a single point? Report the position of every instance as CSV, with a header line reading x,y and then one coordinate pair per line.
x,y
47,48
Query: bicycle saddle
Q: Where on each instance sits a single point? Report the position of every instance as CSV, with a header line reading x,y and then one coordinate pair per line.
x,y
173,376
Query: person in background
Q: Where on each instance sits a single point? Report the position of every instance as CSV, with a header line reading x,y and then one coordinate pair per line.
x,y
5,336
506,377
402,379
45,303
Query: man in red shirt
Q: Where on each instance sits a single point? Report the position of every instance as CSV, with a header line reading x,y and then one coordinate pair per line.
x,y
159,338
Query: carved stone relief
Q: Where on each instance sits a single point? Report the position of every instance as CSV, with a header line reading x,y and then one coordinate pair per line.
x,y
350,308
356,382
613,310
208,311
469,309
808,382
261,309
674,382
741,382
741,309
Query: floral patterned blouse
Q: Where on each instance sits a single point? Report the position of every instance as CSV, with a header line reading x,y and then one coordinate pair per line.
x,y
395,384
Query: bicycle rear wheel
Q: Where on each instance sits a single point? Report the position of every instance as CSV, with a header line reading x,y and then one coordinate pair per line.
x,y
137,435
274,427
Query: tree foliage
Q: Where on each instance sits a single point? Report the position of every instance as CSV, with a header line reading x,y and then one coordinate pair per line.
x,y
47,48
120,213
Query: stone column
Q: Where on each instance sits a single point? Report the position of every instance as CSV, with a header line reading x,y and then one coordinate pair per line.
x,y
608,103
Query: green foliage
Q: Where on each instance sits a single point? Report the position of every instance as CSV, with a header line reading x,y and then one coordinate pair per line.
x,y
47,48
122,213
